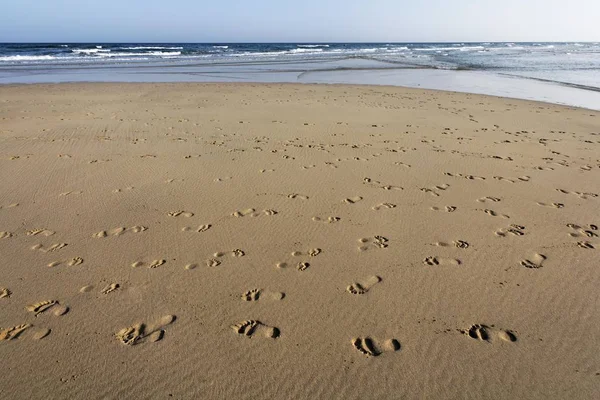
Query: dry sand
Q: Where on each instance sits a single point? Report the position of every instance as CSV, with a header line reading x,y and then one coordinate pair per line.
x,y
283,241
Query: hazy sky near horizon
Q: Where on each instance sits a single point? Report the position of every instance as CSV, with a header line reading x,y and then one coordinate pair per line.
x,y
306,21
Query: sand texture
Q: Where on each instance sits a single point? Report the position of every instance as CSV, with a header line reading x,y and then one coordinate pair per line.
x,y
239,241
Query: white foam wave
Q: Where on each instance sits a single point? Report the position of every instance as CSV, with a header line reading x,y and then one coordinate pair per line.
x,y
311,46
27,58
220,47
90,51
151,53
151,48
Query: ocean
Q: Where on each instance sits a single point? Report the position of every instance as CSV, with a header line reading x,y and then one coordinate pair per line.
x,y
565,73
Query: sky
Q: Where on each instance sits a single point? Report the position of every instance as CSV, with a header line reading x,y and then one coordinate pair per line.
x,y
298,21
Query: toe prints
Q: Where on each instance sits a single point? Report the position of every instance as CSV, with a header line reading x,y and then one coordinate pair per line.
x,y
253,213
5,293
445,208
489,334
42,232
43,306
433,260
199,229
513,229
495,214
583,231
5,235
251,328
259,294
50,249
149,264
460,244
376,241
120,231
383,206
551,205
71,263
353,200
534,262
327,220
180,213
363,286
373,348
140,333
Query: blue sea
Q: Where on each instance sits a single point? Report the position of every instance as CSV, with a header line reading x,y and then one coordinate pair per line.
x,y
566,73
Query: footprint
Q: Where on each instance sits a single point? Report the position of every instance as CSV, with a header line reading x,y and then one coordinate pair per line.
x,y
297,196
377,241
312,252
120,231
180,213
383,205
352,200
585,245
42,231
233,253
4,293
259,294
52,248
489,334
516,230
580,231
461,244
213,262
43,306
446,208
243,213
373,348
536,261
433,260
250,328
552,205
139,333
13,332
201,228
153,264
434,190
328,220
110,288
71,192
362,288
71,263
470,177
580,194
495,214
303,266
488,198
5,235
9,206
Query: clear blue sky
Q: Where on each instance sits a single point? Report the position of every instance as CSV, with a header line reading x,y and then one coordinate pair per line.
x,y
304,21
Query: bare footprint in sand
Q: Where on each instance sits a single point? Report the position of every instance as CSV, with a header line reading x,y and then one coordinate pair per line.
x,y
5,235
120,231
260,294
43,306
433,260
364,286
297,196
327,220
513,229
353,200
446,208
373,348
488,198
71,263
495,214
381,206
460,244
149,264
311,252
41,231
489,334
551,205
535,262
180,213
16,332
232,253
377,241
140,332
50,249
4,293
199,229
251,328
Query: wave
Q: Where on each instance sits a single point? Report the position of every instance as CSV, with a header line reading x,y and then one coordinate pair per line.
x,y
90,51
220,47
27,58
151,48
311,46
150,53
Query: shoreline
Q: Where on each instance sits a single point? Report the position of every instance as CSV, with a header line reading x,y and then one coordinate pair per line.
x,y
301,84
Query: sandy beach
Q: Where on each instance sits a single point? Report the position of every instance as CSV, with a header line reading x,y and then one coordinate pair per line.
x,y
281,241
